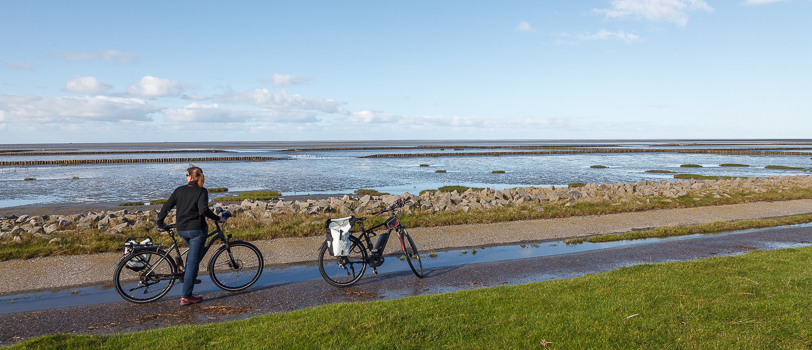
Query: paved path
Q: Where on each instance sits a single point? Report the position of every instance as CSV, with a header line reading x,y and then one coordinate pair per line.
x,y
69,271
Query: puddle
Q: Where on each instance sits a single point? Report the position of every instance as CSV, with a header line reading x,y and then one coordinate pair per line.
x,y
272,275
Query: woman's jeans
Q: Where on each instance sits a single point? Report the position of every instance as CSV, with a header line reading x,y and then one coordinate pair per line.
x,y
196,240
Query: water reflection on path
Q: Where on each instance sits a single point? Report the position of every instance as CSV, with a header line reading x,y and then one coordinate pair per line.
x,y
283,274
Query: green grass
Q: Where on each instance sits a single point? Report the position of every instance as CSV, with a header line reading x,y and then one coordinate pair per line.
x,y
157,201
29,179
576,184
255,195
696,177
714,227
75,177
758,300
659,171
459,149
734,165
440,171
218,189
782,167
598,166
498,172
424,165
690,166
129,204
457,188
369,192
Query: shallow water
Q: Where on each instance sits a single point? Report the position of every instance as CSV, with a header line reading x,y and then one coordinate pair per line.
x,y
342,171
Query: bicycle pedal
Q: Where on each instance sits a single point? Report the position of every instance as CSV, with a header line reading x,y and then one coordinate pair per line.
x,y
374,271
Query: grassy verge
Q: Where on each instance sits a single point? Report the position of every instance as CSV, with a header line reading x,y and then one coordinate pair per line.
x,y
369,192
255,195
714,227
757,300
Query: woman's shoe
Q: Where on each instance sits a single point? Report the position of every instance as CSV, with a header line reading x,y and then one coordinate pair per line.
x,y
190,300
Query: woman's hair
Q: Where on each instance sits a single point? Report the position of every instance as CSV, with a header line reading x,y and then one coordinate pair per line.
x,y
196,174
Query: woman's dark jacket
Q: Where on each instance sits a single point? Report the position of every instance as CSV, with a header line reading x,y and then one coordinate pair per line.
x,y
192,208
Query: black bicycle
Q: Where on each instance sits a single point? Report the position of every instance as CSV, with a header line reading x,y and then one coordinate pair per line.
x,y
148,272
346,270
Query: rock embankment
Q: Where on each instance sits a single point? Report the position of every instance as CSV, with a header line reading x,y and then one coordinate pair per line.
x,y
262,212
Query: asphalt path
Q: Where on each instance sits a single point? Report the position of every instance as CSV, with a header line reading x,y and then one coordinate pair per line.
x,y
489,267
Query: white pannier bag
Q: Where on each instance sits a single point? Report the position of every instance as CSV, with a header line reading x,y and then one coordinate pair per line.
x,y
338,236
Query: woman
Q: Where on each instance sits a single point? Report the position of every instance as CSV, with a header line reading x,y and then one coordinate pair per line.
x,y
192,201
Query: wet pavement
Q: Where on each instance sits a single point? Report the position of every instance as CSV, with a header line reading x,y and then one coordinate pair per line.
x,y
99,310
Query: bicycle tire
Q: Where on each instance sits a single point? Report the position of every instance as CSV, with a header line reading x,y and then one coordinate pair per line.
x,y
412,255
237,269
333,269
148,283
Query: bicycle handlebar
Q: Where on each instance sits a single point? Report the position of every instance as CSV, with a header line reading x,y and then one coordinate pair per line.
x,y
398,204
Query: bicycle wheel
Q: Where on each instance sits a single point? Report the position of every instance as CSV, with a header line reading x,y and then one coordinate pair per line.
x,y
237,267
145,276
412,256
343,271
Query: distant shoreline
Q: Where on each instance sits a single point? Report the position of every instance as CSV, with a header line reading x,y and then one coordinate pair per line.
x,y
337,143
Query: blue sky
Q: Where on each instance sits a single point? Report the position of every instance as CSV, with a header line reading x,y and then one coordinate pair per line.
x,y
111,71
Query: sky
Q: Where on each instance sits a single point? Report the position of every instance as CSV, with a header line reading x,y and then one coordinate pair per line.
x,y
182,71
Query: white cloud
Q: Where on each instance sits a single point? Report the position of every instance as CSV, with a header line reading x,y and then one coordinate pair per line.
x,y
38,109
762,2
281,101
278,80
373,117
86,85
205,113
377,117
287,117
104,55
655,10
152,87
604,34
195,97
19,65
525,27
213,113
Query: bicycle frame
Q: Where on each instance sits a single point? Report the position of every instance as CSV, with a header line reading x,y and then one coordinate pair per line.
x,y
215,235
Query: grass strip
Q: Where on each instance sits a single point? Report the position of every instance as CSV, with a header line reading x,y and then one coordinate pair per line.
x,y
690,166
733,165
598,166
255,195
369,192
696,177
713,227
782,167
756,300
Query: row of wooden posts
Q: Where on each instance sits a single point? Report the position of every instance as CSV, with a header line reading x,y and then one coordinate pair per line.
x,y
146,160
597,150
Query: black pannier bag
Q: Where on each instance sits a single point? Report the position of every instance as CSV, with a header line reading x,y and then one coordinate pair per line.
x,y
141,261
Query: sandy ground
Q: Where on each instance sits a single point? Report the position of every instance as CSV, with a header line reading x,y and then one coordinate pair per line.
x,y
67,271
